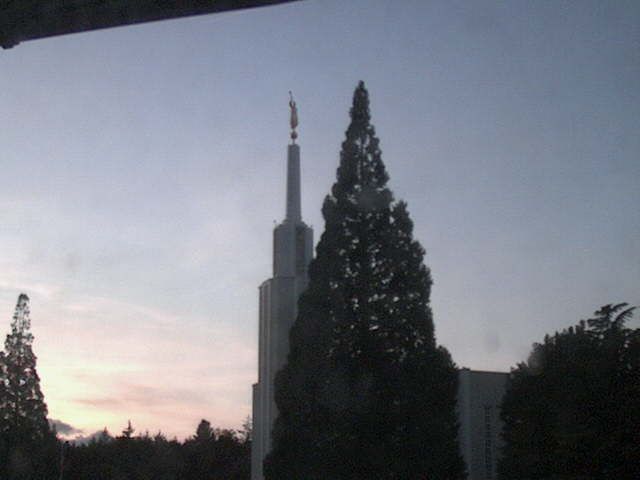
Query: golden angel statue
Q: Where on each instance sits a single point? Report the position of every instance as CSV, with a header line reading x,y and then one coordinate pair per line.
x,y
294,117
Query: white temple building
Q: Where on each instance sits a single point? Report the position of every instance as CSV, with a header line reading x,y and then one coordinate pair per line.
x,y
479,398
292,252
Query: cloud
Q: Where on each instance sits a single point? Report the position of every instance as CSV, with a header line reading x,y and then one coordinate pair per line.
x,y
144,396
64,429
102,402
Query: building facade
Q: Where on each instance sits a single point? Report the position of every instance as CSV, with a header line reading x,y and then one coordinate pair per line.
x,y
479,399
292,252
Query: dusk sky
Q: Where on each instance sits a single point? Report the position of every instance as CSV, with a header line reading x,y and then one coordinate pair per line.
x,y
142,169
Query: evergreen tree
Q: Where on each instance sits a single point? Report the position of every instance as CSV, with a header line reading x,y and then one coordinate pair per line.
x,y
246,432
366,391
204,432
572,411
127,433
103,437
27,442
216,453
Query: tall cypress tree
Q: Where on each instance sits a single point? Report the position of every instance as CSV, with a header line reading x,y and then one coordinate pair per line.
x,y
26,440
366,391
24,412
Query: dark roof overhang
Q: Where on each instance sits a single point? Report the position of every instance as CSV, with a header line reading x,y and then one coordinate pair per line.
x,y
22,20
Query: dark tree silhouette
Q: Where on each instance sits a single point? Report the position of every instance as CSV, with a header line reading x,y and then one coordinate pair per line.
x,y
127,433
26,441
246,432
216,454
572,411
366,392
204,432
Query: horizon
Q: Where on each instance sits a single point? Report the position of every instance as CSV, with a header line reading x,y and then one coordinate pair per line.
x,y
143,169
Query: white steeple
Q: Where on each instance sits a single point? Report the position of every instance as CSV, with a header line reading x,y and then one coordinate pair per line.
x,y
293,168
292,252
293,184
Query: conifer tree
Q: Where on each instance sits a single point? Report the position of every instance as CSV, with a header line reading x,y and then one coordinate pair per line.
x,y
23,412
366,391
204,432
127,433
25,435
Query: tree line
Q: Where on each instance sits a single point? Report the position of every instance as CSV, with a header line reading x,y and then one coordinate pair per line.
x,y
367,392
211,454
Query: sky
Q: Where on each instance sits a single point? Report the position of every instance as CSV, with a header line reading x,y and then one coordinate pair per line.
x,y
142,170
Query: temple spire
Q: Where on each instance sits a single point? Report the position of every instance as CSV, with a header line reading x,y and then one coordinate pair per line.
x,y
294,211
292,252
